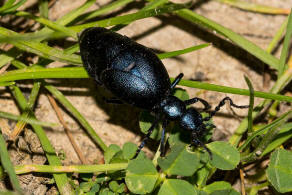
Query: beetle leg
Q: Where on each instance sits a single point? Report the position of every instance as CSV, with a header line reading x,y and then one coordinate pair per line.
x,y
149,132
222,103
196,142
196,99
162,144
176,80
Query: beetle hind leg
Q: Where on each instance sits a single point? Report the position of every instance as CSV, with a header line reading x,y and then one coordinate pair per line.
x,y
149,132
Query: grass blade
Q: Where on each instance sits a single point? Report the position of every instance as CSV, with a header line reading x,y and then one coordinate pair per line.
x,y
183,51
250,47
285,49
103,10
26,119
61,179
255,7
129,17
42,49
7,165
79,72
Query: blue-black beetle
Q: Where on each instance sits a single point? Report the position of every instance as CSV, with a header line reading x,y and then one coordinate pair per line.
x,y
135,75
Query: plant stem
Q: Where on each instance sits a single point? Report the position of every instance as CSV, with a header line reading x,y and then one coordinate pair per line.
x,y
22,169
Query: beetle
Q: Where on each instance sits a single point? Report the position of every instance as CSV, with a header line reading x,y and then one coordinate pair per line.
x,y
136,76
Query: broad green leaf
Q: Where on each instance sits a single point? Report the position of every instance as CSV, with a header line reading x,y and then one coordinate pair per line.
x,y
220,187
175,187
141,176
129,150
180,161
202,174
110,152
279,171
145,122
115,187
181,94
224,156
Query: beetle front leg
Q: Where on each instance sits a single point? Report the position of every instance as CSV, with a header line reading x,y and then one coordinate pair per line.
x,y
196,142
222,103
195,100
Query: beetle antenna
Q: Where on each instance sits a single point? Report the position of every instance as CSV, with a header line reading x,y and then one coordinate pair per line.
x,y
176,80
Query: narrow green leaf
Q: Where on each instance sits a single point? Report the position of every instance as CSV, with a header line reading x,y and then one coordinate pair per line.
x,y
250,47
61,178
224,156
286,44
80,72
251,103
41,73
7,165
255,7
175,187
285,133
105,9
44,8
263,130
141,176
129,17
233,90
280,170
42,49
9,6
183,51
53,25
26,119
9,83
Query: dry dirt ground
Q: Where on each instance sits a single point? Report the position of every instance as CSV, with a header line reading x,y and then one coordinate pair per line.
x,y
221,64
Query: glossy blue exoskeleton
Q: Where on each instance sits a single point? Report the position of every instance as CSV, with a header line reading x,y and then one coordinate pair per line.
x,y
136,76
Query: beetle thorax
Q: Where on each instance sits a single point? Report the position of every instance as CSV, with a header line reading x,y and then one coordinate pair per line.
x,y
172,107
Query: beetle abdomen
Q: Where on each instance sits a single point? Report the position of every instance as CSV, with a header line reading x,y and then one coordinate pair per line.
x,y
140,74
98,47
